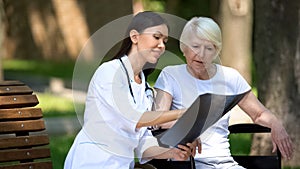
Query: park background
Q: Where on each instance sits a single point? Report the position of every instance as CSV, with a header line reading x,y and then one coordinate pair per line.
x,y
41,40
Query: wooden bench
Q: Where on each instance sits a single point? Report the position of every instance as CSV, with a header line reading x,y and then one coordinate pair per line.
x,y
23,142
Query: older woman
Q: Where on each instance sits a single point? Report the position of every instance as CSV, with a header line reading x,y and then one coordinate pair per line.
x,y
178,86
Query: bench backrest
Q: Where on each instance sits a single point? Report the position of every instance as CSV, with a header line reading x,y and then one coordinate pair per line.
x,y
258,161
23,141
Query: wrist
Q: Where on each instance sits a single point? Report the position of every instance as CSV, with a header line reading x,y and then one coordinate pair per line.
x,y
180,113
170,154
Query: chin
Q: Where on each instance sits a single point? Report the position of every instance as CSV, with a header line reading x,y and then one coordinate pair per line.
x,y
153,60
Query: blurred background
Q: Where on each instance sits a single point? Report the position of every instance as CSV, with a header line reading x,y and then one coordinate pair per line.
x,y
40,41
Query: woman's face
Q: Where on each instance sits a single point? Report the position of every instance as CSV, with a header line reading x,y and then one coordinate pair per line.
x,y
151,43
199,53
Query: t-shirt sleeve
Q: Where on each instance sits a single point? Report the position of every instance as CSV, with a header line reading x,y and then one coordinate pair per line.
x,y
241,83
164,82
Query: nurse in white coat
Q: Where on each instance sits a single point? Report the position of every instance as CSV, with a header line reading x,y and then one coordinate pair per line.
x,y
118,105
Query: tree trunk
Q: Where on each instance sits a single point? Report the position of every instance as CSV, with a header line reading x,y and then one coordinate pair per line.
x,y
137,6
235,19
277,60
56,29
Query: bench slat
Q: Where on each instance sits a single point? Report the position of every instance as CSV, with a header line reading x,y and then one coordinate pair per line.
x,y
11,83
22,126
23,154
20,113
10,90
16,101
24,141
33,165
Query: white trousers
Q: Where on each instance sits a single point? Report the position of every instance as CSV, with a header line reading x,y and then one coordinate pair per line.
x,y
217,163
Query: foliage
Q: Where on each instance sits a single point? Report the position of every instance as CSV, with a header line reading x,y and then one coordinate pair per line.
x,y
154,5
39,67
241,144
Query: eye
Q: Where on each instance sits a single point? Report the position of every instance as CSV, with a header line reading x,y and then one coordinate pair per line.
x,y
157,36
209,48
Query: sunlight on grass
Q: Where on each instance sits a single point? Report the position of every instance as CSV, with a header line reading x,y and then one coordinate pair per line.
x,y
37,67
52,105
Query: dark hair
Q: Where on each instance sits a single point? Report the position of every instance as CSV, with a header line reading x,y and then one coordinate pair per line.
x,y
140,22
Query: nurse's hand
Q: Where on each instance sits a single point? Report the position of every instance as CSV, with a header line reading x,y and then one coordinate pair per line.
x,y
182,153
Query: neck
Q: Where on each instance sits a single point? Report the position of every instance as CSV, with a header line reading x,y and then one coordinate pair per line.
x,y
136,62
136,65
203,74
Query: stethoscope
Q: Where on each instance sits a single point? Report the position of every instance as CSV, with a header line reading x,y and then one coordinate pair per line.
x,y
147,88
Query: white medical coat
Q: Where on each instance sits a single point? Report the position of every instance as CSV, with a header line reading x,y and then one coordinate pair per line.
x,y
109,138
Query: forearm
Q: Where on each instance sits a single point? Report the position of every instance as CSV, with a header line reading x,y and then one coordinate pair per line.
x,y
261,115
266,118
157,153
167,125
152,118
257,111
181,153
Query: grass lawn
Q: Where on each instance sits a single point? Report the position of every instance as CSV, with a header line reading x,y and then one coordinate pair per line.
x,y
37,67
241,144
59,147
54,106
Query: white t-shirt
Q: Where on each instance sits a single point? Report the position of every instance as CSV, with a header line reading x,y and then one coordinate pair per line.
x,y
109,138
185,88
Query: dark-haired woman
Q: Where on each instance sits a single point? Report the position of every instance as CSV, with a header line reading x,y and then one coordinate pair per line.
x,y
118,105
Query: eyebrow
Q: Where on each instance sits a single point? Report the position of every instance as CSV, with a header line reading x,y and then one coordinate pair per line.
x,y
161,34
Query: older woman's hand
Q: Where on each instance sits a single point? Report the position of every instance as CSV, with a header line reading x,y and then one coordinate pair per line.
x,y
194,145
284,143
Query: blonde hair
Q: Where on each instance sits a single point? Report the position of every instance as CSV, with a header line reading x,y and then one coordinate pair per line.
x,y
202,28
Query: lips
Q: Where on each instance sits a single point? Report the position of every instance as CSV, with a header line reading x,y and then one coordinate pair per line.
x,y
199,61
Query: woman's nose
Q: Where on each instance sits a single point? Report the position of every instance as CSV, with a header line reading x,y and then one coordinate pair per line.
x,y
200,53
161,44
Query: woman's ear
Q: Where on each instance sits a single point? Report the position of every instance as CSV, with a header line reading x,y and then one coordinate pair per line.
x,y
183,48
134,36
